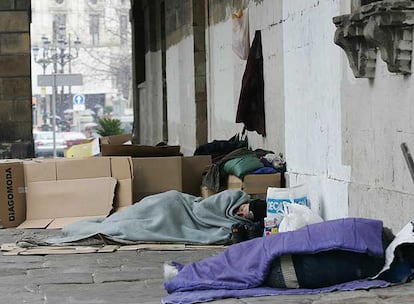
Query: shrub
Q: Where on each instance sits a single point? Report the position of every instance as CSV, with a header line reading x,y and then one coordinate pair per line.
x,y
109,126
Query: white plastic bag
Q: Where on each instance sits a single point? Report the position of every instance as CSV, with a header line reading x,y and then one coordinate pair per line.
x,y
296,216
277,197
240,41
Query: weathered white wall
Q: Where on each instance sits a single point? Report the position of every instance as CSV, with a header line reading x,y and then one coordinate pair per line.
x,y
226,70
313,104
302,94
180,94
378,117
222,66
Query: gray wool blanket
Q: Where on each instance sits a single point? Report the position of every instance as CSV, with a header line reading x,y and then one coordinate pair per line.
x,y
166,217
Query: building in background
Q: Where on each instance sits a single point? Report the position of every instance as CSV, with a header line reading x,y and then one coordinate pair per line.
x,y
101,30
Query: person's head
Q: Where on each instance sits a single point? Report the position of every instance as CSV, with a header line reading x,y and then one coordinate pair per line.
x,y
243,210
254,210
405,253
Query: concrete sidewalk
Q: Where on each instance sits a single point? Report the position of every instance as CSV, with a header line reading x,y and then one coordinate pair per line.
x,y
131,277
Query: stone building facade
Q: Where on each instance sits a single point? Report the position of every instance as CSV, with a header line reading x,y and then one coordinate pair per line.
x,y
15,80
104,57
340,133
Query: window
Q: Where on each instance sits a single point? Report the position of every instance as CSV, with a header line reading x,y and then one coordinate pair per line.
x,y
123,28
59,26
94,29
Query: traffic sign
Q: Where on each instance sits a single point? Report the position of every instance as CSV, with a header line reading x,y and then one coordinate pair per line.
x,y
51,80
79,103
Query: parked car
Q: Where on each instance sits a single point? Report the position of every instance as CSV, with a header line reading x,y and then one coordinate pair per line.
x,y
43,141
73,138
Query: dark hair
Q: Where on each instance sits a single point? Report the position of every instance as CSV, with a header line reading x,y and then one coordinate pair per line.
x,y
259,209
387,237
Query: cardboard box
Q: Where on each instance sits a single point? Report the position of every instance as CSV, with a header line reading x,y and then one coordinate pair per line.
x,y
115,139
12,193
89,148
159,174
61,191
193,168
254,184
119,145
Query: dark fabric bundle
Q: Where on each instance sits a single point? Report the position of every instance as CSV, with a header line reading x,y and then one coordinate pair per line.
x,y
219,148
215,176
251,110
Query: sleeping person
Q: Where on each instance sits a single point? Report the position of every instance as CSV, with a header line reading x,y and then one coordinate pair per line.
x,y
318,256
170,216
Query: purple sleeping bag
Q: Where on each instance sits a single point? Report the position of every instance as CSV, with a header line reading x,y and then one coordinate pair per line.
x,y
244,266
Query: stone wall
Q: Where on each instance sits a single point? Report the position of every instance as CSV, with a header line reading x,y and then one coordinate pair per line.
x,y
340,134
173,98
15,83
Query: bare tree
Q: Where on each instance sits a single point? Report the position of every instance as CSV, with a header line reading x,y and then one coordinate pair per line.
x,y
111,57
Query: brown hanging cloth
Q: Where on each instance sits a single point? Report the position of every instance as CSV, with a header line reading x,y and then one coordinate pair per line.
x,y
251,109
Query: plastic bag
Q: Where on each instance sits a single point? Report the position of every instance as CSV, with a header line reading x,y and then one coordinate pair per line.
x,y
276,197
240,42
296,216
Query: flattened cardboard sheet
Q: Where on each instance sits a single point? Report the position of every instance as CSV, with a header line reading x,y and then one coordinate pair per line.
x,y
40,223
63,200
64,221
65,170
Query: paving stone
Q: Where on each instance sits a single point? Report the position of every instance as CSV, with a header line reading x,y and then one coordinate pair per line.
x,y
116,292
20,259
22,298
128,276
17,280
5,272
135,277
150,272
51,276
406,289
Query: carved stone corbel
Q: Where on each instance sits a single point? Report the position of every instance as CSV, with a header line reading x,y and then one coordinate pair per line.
x,y
393,39
383,25
361,54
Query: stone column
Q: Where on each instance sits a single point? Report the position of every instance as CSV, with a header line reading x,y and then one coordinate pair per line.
x,y
16,140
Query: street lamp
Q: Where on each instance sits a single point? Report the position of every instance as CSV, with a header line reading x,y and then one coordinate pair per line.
x,y
45,60
59,52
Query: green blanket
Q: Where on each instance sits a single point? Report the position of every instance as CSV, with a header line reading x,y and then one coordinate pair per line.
x,y
166,217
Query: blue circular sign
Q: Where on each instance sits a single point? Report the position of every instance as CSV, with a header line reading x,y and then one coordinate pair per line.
x,y
78,99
